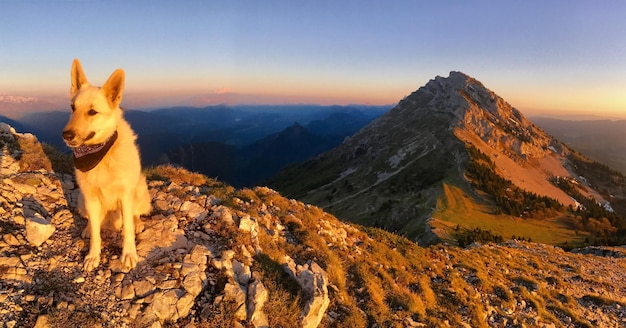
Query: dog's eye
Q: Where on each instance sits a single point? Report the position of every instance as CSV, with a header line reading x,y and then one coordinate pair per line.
x,y
92,112
73,108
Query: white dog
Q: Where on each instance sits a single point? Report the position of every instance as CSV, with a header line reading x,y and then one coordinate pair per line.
x,y
108,168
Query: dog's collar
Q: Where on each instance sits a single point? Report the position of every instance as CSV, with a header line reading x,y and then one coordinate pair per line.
x,y
87,157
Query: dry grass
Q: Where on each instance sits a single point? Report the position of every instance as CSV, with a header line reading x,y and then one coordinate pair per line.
x,y
222,315
33,156
181,176
178,175
382,279
457,208
60,318
61,162
283,306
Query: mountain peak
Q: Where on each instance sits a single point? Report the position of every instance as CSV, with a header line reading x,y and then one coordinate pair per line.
x,y
455,79
402,170
458,76
453,94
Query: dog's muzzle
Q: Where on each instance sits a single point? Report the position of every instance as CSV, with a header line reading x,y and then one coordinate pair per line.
x,y
69,135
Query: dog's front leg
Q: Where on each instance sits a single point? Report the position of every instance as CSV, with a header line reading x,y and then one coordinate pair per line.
x,y
129,250
96,215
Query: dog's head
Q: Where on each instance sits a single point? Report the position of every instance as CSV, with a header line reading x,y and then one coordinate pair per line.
x,y
95,110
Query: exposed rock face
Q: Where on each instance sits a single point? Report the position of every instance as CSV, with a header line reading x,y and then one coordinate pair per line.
x,y
480,111
257,297
314,283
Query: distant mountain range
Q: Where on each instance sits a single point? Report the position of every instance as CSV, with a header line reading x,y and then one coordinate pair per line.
x,y
454,161
14,107
239,144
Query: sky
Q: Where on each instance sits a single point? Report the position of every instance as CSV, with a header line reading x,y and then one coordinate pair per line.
x,y
540,56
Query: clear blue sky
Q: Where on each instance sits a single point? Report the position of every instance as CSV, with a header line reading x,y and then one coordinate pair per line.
x,y
538,55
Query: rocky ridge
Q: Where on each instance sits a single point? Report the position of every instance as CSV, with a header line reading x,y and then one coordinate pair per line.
x,y
396,172
214,256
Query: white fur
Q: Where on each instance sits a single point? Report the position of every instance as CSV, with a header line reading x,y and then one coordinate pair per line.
x,y
115,189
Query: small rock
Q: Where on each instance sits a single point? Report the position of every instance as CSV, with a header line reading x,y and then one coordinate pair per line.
x,y
12,261
223,213
247,224
143,288
38,231
164,305
161,205
11,240
194,282
200,254
184,305
18,219
242,272
128,292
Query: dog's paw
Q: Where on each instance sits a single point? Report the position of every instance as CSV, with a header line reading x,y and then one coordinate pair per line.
x,y
129,260
85,234
91,262
138,227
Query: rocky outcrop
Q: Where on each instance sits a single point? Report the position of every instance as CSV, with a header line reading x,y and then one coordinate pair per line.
x,y
314,283
9,150
179,270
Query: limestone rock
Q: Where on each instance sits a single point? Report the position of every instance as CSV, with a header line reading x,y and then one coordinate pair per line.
x,y
143,288
314,282
241,272
164,305
38,230
43,321
200,255
247,224
257,296
234,292
224,214
194,282
184,305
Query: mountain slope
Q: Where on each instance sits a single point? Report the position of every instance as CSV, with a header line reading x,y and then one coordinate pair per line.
x,y
247,165
602,140
394,172
214,256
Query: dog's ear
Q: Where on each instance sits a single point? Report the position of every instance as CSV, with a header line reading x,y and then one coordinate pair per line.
x,y
114,87
78,77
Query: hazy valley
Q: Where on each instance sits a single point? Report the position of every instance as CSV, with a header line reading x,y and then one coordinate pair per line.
x,y
252,143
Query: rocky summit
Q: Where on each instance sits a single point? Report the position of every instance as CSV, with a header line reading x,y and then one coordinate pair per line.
x,y
213,256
